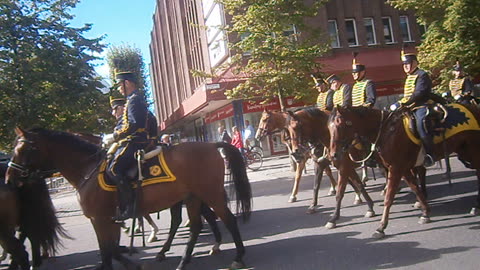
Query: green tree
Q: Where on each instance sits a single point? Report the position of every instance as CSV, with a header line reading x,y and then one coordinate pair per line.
x,y
47,76
452,32
276,50
127,58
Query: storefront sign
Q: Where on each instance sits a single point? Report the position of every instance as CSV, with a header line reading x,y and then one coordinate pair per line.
x,y
256,106
222,113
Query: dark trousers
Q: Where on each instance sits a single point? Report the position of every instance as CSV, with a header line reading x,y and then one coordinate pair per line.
x,y
426,138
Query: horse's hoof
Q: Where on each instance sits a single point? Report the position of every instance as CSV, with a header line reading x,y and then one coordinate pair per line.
x,y
152,239
330,225
311,210
215,249
474,211
382,193
332,192
370,214
378,234
424,220
160,257
237,265
292,199
417,205
357,201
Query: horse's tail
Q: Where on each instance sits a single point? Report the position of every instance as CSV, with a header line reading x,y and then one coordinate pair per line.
x,y
37,216
238,170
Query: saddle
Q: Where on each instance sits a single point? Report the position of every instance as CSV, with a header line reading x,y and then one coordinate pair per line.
x,y
433,121
154,169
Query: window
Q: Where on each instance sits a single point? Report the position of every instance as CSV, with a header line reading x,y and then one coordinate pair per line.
x,y
387,30
405,28
370,31
333,33
351,29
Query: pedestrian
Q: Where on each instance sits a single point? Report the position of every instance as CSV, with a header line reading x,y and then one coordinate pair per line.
x,y
248,134
237,139
223,135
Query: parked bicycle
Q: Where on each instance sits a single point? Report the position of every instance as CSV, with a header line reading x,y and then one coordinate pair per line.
x,y
253,157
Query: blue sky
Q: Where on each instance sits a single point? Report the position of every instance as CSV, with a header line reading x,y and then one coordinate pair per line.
x,y
121,21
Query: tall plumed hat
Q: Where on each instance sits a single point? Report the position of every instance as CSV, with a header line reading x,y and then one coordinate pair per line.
x,y
128,75
332,78
356,66
458,66
317,79
407,57
115,102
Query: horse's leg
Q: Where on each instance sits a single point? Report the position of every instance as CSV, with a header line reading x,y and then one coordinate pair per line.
x,y
412,183
16,248
108,237
342,183
153,227
364,173
193,208
36,256
211,218
230,221
393,182
420,172
333,183
175,221
358,198
318,169
475,210
358,185
298,176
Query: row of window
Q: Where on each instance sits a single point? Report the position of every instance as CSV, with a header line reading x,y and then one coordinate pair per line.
x,y
371,37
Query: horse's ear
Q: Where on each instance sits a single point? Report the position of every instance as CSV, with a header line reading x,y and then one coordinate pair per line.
x,y
265,110
20,132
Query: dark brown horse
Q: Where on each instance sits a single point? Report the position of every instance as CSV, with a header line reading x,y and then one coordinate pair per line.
x,y
272,122
30,209
397,151
199,171
310,125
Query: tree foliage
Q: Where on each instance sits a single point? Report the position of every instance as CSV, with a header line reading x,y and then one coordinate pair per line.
x,y
272,59
127,58
46,73
452,32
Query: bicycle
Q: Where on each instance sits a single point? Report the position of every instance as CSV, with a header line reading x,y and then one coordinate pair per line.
x,y
253,159
255,147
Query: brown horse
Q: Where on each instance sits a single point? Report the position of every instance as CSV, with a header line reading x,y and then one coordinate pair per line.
x,y
175,212
310,125
397,151
272,122
199,171
28,208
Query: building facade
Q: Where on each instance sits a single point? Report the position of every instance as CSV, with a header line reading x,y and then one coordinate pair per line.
x,y
187,36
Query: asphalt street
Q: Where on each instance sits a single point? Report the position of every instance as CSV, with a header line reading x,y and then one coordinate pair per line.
x,y
281,236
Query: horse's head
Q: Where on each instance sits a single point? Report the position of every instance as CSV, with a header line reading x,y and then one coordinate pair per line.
x,y
341,126
296,131
29,160
268,124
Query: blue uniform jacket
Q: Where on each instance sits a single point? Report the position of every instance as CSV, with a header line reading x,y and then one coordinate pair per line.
x,y
133,123
423,88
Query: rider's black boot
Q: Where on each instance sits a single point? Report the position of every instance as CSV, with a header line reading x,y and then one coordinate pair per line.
x,y
126,199
429,157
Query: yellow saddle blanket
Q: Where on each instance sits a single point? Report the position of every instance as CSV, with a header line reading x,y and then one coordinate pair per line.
x,y
459,119
154,170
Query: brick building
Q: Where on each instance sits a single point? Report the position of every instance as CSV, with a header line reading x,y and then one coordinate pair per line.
x,y
193,107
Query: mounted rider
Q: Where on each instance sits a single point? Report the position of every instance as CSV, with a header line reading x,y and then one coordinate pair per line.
x,y
323,92
461,87
418,95
131,134
341,93
364,92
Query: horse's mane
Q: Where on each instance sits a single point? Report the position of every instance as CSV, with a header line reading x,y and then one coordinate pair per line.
x,y
67,138
314,112
37,215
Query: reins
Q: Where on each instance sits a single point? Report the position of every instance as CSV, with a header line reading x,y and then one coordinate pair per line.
x,y
373,146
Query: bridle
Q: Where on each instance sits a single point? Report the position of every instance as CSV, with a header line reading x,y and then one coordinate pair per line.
x,y
28,173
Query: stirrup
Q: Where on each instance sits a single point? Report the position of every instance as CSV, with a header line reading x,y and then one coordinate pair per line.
x,y
428,161
123,215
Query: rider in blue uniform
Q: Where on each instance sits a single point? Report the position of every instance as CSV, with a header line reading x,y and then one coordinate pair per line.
x,y
417,95
131,134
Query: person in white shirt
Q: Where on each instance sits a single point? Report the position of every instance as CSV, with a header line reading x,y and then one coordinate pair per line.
x,y
248,134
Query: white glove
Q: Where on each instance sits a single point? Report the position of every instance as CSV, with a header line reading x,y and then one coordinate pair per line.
x,y
108,139
394,106
457,97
